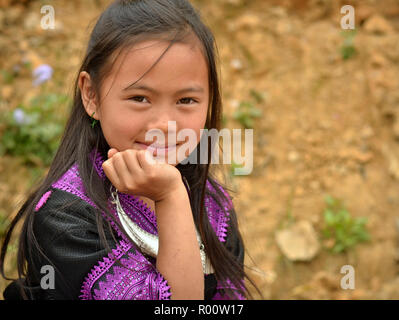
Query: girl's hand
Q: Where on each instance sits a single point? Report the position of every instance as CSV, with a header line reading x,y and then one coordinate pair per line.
x,y
135,173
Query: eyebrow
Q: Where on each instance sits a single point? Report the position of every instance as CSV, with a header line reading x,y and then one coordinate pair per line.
x,y
184,90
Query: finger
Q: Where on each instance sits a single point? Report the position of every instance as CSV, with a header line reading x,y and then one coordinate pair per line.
x,y
111,174
131,161
145,159
121,169
111,152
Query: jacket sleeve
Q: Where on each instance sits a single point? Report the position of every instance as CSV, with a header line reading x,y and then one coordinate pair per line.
x,y
125,274
83,267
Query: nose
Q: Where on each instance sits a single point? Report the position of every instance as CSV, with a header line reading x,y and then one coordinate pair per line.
x,y
164,123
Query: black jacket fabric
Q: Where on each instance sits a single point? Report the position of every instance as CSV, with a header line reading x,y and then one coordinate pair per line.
x,y
66,230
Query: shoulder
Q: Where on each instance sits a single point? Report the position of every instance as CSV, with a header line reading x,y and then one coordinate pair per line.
x,y
58,211
55,197
67,238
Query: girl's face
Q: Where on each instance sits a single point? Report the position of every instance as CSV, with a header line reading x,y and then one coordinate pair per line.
x,y
175,89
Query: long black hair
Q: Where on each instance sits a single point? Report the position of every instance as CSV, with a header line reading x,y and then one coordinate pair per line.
x,y
122,24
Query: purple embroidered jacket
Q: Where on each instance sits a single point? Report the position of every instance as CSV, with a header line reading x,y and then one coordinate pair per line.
x,y
137,277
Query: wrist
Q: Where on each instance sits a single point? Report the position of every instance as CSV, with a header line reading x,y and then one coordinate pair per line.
x,y
176,191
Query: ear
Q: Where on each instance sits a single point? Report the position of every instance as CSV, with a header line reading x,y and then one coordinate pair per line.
x,y
88,95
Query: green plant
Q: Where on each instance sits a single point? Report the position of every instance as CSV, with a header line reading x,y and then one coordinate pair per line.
x,y
246,113
259,97
7,76
348,49
233,166
33,132
344,230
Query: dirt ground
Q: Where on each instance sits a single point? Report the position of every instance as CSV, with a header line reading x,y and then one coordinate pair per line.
x,y
329,126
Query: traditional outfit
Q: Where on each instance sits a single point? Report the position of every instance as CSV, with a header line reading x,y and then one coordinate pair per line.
x,y
68,236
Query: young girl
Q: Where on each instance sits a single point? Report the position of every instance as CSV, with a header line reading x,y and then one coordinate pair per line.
x,y
108,223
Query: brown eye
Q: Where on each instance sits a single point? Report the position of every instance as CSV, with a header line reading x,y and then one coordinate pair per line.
x,y
187,100
138,98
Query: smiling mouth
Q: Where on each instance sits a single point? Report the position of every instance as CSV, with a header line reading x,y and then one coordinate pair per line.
x,y
155,146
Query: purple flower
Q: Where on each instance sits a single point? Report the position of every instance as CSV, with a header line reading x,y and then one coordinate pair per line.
x,y
20,116
41,74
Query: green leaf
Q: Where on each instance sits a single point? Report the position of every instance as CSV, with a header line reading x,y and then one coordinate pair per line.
x,y
258,97
329,217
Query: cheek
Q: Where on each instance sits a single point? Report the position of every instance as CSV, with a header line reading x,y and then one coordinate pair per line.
x,y
197,122
193,128
120,129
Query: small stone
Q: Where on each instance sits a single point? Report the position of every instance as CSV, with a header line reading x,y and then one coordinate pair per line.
x,y
59,26
299,191
326,280
324,125
293,156
278,12
355,154
315,185
313,139
298,242
363,157
283,27
236,64
363,12
248,21
329,243
314,219
235,104
378,60
377,24
367,132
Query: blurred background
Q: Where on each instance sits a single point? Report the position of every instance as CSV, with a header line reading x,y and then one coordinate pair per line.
x,y
323,102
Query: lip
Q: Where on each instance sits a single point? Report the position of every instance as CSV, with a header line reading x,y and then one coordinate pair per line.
x,y
159,149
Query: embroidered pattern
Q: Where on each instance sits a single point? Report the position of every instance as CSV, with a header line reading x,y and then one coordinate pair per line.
x,y
72,183
135,280
218,217
228,284
102,267
137,277
42,200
